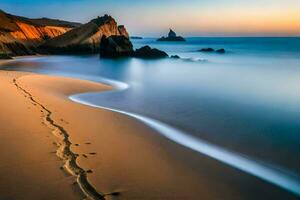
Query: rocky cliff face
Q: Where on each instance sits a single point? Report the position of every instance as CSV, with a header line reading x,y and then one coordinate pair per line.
x,y
86,38
28,32
123,31
21,36
24,36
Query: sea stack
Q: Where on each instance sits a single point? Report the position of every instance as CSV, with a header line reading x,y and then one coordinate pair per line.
x,y
172,37
115,46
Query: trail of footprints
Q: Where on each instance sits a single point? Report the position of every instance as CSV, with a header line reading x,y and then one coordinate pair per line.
x,y
64,151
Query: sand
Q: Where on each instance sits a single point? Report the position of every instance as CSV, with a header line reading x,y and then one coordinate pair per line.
x,y
114,154
29,168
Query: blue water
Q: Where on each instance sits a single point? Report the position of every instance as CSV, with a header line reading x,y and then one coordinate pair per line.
x,y
246,101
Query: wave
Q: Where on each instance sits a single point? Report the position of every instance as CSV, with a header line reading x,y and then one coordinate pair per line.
x,y
266,172
194,59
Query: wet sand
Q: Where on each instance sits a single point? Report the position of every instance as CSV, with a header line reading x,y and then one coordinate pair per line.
x,y
118,155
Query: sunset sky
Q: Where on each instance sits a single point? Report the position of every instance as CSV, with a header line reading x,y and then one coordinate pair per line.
x,y
188,17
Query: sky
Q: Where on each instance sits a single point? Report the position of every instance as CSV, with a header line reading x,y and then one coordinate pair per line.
x,y
186,17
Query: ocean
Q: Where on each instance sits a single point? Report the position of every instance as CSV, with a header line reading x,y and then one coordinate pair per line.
x,y
241,108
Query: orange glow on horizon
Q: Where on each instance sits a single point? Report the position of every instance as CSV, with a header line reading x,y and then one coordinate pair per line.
x,y
227,21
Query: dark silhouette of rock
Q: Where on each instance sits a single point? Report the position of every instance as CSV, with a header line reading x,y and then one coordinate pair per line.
x,y
212,50
172,37
148,52
136,37
220,51
172,34
115,46
120,46
207,50
5,56
175,57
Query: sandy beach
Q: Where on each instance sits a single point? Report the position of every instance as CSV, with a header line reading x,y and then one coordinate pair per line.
x,y
149,100
29,168
89,151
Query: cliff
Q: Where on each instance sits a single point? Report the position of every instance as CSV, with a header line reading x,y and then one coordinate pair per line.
x,y
85,39
22,36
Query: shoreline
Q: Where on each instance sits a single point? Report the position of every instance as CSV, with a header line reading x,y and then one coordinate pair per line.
x,y
26,150
63,150
112,135
268,173
63,143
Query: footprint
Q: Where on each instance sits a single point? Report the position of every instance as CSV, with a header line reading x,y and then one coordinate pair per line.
x,y
113,194
64,121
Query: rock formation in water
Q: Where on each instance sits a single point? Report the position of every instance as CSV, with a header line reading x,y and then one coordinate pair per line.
x,y
115,46
212,50
207,50
220,51
172,37
21,36
85,39
175,57
148,52
136,37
